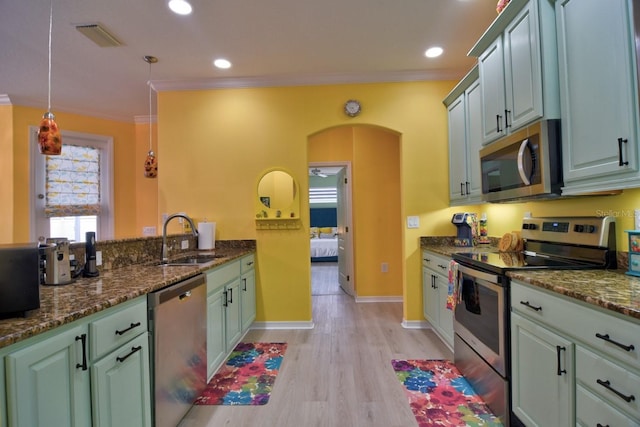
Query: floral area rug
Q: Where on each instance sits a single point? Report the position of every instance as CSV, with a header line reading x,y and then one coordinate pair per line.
x,y
440,396
247,377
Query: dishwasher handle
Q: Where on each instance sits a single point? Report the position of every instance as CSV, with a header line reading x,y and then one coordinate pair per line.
x,y
177,290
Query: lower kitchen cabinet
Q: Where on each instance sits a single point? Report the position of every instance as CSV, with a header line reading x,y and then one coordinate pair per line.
x,y
48,382
54,379
231,308
248,291
435,286
542,375
120,387
572,364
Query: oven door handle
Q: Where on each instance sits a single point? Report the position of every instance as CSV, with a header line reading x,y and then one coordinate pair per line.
x,y
523,176
487,277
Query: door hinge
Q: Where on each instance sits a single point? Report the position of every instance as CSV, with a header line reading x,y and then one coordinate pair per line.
x,y
345,180
348,277
346,229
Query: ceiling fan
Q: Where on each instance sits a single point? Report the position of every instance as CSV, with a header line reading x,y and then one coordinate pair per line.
x,y
318,172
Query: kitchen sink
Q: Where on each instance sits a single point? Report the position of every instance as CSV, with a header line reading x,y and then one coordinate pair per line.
x,y
194,260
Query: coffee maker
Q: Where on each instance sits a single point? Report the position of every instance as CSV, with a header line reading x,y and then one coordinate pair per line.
x,y
55,264
467,225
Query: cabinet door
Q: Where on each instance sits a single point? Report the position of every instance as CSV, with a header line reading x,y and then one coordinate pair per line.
x,y
445,316
523,72
457,149
474,139
216,343
120,386
429,297
542,375
492,80
47,382
233,315
248,303
598,91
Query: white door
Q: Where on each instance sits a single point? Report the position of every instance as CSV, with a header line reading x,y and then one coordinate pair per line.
x,y
345,234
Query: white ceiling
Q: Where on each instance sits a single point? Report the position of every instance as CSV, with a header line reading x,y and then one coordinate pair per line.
x,y
274,42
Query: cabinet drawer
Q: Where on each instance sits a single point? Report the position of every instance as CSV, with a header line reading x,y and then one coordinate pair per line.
x,y
592,411
436,263
597,374
118,327
247,263
613,336
222,275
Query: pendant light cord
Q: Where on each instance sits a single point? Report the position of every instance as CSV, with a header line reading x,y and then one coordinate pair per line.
x,y
150,121
50,31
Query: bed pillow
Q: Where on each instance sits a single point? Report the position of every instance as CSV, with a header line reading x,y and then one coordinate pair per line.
x,y
314,232
325,230
327,235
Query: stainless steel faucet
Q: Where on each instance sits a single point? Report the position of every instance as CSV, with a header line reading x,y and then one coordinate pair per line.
x,y
165,259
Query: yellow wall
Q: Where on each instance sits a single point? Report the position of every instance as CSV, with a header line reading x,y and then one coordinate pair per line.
x,y
6,174
374,154
126,169
220,141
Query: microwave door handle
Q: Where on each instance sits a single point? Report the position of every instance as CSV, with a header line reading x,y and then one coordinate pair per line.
x,y
523,176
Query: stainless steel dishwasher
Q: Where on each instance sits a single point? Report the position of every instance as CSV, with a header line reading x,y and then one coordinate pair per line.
x,y
178,334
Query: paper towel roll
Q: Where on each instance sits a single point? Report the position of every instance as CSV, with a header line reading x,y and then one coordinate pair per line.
x,y
206,235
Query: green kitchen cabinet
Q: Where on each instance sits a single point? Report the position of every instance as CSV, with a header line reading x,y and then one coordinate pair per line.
x,y
248,291
572,363
465,140
120,386
542,375
48,382
435,285
79,374
517,61
233,314
216,344
599,95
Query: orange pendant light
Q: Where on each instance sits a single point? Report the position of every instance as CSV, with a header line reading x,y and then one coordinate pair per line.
x,y
150,163
49,138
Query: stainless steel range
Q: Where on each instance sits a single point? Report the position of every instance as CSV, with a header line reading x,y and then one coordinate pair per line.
x,y
481,318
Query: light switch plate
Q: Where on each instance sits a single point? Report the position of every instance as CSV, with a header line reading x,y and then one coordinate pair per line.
x,y
413,222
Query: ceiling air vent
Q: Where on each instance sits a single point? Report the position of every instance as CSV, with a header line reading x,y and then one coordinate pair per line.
x,y
98,34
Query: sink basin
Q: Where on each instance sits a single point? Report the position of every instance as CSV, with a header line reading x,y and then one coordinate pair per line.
x,y
194,260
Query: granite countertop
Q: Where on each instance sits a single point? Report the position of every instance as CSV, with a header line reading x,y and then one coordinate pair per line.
x,y
60,305
609,289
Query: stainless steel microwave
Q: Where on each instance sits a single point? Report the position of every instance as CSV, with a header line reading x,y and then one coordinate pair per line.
x,y
526,164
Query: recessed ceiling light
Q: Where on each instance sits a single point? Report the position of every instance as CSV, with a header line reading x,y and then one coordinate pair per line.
x,y
433,52
222,63
181,7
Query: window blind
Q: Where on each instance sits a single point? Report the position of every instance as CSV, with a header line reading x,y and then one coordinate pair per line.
x,y
73,182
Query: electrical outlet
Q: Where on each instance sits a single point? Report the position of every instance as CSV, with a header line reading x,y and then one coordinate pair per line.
x,y
185,244
98,257
384,267
148,231
413,222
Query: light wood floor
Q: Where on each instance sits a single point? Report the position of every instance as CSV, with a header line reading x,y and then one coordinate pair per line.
x,y
324,278
336,375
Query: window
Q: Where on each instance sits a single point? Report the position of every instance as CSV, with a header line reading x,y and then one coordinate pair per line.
x,y
72,192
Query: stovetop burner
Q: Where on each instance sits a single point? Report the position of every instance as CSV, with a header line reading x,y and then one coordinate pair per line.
x,y
503,261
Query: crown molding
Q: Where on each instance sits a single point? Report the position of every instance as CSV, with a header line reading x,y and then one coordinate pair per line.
x,y
304,80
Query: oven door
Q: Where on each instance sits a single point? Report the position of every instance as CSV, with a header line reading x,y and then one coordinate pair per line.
x,y
479,319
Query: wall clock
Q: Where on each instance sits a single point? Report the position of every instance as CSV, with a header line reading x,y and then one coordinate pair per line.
x,y
352,108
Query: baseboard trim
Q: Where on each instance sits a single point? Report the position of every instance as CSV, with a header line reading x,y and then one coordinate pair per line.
x,y
379,299
416,324
282,325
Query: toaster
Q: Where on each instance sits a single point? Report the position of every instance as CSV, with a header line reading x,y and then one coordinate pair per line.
x,y
19,279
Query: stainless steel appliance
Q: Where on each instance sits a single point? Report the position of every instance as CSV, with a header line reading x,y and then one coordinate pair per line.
x,y
56,267
178,334
481,319
525,164
90,265
19,279
465,224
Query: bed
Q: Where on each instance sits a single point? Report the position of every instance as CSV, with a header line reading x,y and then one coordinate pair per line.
x,y
324,240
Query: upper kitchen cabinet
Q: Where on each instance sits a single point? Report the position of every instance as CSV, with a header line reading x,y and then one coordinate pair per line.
x,y
599,95
518,67
465,140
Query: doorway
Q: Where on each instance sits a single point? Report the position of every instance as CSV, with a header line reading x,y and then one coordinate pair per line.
x,y
330,232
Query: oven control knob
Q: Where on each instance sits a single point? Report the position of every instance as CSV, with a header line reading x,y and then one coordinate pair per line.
x,y
591,228
578,228
529,226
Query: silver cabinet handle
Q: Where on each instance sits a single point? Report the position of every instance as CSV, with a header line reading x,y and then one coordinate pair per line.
x,y
523,176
